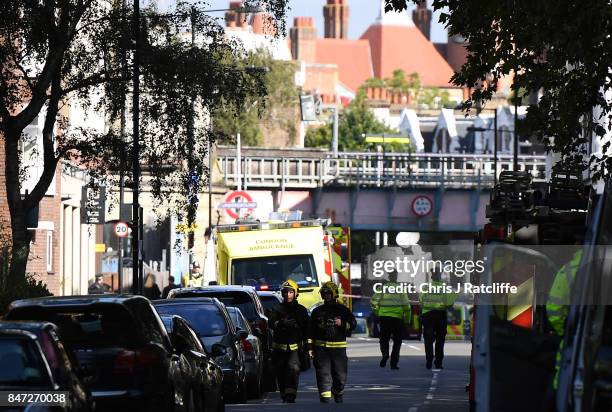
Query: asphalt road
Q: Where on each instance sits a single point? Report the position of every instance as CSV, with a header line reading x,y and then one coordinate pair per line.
x,y
371,388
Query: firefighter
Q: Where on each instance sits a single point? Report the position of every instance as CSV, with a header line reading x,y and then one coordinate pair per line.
x,y
290,324
434,321
393,311
557,306
330,324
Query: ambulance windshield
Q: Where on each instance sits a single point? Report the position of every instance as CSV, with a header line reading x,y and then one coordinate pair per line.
x,y
272,271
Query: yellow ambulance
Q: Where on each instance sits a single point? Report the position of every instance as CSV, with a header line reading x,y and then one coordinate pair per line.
x,y
265,254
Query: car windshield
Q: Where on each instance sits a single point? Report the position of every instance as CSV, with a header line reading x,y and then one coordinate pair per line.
x,y
21,363
269,303
106,327
274,270
206,320
237,299
238,320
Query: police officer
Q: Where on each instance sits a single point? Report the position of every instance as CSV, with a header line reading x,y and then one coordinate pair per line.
x,y
330,323
393,310
433,319
290,324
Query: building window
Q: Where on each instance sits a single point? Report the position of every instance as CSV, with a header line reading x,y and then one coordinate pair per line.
x,y
49,251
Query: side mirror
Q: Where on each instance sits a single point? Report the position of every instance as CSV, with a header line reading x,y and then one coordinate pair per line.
x,y
241,334
218,350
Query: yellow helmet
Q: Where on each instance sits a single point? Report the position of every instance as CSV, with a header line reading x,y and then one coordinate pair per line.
x,y
291,284
332,287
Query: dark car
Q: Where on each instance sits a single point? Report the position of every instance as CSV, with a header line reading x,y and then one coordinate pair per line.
x,y
270,300
205,373
213,325
122,347
253,354
246,299
33,358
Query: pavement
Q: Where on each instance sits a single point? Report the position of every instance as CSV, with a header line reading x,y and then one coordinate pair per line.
x,y
371,388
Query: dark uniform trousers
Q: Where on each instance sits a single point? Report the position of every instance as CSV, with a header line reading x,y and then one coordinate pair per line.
x,y
287,367
434,330
391,327
331,369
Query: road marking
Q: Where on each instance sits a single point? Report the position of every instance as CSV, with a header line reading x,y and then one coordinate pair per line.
x,y
414,347
432,387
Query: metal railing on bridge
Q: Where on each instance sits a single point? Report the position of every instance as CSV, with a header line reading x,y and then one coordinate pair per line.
x,y
375,170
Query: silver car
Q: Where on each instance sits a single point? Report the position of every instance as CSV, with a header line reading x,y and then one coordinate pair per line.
x,y
253,354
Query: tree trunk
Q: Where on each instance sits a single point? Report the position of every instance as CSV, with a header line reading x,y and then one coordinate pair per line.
x,y
20,248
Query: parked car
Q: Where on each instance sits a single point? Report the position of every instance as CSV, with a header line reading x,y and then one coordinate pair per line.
x,y
205,372
253,354
33,358
122,347
269,300
209,319
246,299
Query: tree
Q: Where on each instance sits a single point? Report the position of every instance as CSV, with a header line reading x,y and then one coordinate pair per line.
x,y
282,94
562,48
355,122
55,53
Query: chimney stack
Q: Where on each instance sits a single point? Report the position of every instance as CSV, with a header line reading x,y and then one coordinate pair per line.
x,y
336,14
234,18
303,37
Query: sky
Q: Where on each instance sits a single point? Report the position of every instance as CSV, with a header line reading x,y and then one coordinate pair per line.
x,y
362,14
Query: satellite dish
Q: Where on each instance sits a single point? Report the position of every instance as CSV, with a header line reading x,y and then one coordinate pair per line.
x,y
405,239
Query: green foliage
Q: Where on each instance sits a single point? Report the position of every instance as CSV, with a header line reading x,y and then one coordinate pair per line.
x,y
355,122
281,93
10,291
561,47
79,53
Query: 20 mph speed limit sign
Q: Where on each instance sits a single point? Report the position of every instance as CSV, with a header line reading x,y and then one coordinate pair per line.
x,y
121,229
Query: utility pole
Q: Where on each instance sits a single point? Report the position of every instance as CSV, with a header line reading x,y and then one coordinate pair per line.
x,y
335,133
123,122
136,282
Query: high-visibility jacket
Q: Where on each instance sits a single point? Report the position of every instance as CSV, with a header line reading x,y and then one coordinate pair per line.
x,y
436,300
559,296
394,305
557,306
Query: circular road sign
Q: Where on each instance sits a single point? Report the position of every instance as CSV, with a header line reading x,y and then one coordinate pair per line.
x,y
422,205
236,201
121,229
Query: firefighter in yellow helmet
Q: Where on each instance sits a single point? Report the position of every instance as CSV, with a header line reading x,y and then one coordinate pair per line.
x,y
290,324
331,323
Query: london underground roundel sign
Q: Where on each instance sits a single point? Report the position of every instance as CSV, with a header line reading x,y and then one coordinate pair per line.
x,y
422,205
236,201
